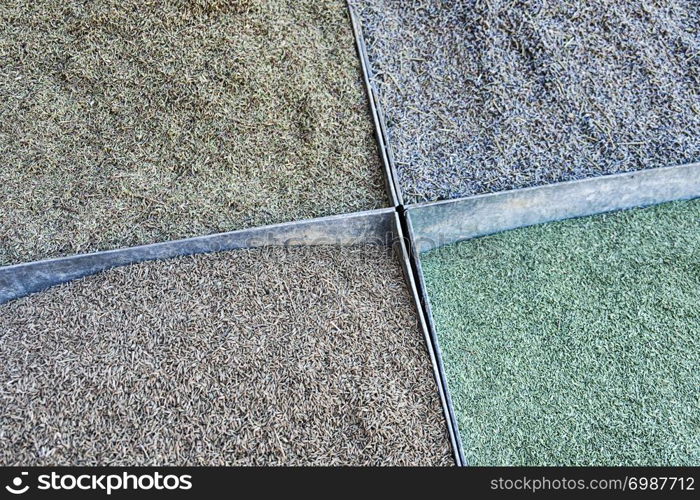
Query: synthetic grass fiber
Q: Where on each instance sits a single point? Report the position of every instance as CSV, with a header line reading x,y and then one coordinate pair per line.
x,y
488,95
125,122
575,342
261,357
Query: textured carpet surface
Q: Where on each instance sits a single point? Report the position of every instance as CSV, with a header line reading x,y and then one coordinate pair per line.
x,y
576,342
489,95
125,122
267,357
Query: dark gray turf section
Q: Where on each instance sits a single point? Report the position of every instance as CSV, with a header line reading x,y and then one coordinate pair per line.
x,y
268,357
125,122
489,95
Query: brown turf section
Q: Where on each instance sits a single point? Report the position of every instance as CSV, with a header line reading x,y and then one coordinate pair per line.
x,y
303,356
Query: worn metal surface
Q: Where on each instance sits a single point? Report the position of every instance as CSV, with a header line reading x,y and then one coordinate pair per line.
x,y
444,222
390,173
371,227
430,340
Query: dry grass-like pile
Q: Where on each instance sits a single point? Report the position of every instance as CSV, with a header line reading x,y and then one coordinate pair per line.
x,y
306,356
488,95
127,121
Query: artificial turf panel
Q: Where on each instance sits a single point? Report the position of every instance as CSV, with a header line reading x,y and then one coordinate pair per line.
x,y
575,342
306,356
488,95
125,122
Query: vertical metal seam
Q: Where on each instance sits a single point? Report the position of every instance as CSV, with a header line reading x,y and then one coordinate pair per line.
x,y
390,172
434,355
413,279
428,315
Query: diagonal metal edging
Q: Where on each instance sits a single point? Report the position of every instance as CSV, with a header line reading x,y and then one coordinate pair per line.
x,y
371,227
423,303
443,222
431,345
390,173
434,224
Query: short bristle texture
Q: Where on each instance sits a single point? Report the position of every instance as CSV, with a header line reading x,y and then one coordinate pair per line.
x,y
308,356
575,342
490,95
124,122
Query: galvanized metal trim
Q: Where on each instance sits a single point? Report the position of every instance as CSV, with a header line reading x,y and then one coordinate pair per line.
x,y
390,172
371,227
427,317
440,223
432,347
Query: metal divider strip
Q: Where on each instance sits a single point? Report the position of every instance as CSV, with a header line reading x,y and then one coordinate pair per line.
x,y
393,184
434,354
444,222
370,227
390,172
423,303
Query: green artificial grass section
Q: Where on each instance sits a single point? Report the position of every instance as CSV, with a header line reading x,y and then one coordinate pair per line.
x,y
575,342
